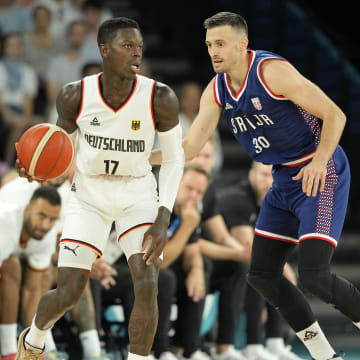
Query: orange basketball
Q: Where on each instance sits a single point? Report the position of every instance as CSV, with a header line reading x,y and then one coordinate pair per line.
x,y
45,151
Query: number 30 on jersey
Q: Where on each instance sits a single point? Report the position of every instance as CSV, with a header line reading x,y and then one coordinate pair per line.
x,y
260,143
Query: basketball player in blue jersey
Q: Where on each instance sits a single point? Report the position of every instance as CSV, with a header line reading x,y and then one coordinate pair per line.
x,y
114,115
281,118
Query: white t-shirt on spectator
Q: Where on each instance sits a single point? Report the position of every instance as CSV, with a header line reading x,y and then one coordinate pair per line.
x,y
28,86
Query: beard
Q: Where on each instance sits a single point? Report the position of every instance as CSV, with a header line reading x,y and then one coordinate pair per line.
x,y
33,231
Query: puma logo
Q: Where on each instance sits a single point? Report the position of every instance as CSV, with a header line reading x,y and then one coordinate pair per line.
x,y
72,250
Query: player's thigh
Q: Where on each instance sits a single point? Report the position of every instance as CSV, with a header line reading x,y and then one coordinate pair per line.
x,y
84,236
133,224
275,220
322,217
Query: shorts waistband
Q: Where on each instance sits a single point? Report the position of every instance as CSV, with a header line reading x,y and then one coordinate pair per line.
x,y
299,161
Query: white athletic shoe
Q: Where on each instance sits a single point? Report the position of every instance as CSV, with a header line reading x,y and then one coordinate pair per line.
x,y
199,355
285,353
167,355
258,352
229,354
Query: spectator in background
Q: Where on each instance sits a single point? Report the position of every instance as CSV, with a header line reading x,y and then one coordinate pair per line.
x,y
228,275
40,47
63,13
183,256
39,44
18,88
93,16
66,67
13,18
189,97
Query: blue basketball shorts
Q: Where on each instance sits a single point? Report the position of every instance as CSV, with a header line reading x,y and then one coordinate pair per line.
x,y
287,214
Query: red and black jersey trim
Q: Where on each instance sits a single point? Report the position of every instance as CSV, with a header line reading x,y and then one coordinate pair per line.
x,y
81,105
82,243
132,229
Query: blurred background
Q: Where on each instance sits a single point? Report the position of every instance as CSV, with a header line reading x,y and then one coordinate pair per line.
x,y
47,43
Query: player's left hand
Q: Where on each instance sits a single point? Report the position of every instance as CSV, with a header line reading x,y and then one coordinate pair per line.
x,y
156,237
313,174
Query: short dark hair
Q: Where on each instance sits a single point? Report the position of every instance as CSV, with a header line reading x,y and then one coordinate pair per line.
x,y
197,168
109,27
47,192
226,18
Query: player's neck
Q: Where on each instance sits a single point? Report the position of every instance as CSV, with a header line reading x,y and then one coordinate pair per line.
x,y
115,89
237,74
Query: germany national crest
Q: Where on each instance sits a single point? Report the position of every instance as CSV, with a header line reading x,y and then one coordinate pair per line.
x,y
135,125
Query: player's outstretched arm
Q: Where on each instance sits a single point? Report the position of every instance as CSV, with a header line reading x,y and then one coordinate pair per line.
x,y
201,129
166,111
204,124
284,79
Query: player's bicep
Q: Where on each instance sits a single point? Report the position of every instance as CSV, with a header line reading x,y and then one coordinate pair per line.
x,y
283,79
166,108
68,106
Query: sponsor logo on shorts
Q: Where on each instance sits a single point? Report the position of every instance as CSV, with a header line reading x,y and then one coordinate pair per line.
x,y
72,250
310,335
95,122
73,187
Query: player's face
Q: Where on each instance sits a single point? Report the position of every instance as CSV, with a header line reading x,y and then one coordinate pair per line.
x,y
261,178
206,157
225,45
123,55
39,218
192,188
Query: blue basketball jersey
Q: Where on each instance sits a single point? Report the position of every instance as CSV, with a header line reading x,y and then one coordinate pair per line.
x,y
272,129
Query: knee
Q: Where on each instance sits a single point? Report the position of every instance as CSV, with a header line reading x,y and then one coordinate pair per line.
x,y
146,289
267,284
317,282
11,270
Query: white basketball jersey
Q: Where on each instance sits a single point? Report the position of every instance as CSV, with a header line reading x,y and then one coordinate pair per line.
x,y
115,142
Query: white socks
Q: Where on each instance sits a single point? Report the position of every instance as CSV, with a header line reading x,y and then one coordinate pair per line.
x,y
315,341
36,337
8,335
49,343
90,343
132,356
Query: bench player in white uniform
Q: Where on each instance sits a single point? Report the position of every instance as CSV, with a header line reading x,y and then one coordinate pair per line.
x,y
115,115
27,232
18,192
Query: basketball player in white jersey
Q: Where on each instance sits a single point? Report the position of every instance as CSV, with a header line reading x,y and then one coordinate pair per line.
x,y
27,232
115,114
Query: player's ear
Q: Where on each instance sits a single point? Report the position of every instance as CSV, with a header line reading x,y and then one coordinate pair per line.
x,y
244,42
104,50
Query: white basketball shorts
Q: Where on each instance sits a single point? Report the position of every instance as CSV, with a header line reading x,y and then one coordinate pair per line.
x,y
94,204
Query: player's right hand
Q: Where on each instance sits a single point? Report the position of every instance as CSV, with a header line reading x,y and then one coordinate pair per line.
x,y
22,172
